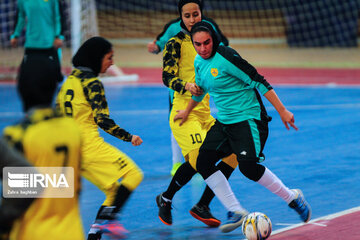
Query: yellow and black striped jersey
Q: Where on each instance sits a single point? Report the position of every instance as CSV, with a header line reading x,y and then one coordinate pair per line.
x,y
47,139
178,69
82,97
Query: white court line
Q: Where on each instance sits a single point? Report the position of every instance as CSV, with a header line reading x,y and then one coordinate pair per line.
x,y
328,217
166,111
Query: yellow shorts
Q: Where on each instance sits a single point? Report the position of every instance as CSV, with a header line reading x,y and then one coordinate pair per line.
x,y
104,164
192,133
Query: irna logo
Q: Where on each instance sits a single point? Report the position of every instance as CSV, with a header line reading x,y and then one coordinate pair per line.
x,y
19,180
39,182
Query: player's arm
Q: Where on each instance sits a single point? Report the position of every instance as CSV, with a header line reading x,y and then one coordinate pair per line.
x,y
170,30
19,24
184,114
171,58
96,97
194,101
249,75
59,20
239,68
287,117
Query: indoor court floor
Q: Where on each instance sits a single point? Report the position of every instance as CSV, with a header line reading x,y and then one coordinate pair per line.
x,y
321,158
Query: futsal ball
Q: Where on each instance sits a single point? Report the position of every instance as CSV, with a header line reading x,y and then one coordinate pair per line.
x,y
256,226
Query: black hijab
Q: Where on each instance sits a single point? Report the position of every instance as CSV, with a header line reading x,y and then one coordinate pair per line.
x,y
91,54
206,27
181,3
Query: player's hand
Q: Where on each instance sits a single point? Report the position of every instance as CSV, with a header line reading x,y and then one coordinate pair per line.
x,y
14,42
153,47
194,89
136,140
58,43
181,114
287,117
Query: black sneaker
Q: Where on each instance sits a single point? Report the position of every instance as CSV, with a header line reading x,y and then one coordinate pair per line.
x,y
203,214
164,210
94,234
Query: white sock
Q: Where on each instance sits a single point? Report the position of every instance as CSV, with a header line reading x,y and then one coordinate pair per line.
x,y
275,185
177,156
221,187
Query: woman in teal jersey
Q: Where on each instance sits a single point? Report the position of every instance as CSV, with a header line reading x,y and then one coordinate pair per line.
x,y
170,30
241,126
43,37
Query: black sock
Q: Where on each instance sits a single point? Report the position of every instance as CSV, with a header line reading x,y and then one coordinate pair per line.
x,y
122,196
208,194
182,176
109,212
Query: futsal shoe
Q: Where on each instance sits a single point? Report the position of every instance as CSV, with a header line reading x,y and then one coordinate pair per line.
x,y
164,210
175,168
235,219
203,214
301,206
94,235
112,228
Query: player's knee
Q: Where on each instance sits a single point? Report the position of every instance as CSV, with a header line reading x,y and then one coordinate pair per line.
x,y
133,178
205,169
110,193
251,169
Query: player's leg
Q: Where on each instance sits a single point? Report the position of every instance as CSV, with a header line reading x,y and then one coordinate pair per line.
x,y
177,157
182,176
214,148
189,136
108,165
201,210
116,197
220,186
257,132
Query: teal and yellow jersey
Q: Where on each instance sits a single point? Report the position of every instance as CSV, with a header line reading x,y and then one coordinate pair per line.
x,y
42,19
178,69
82,97
47,139
173,27
233,83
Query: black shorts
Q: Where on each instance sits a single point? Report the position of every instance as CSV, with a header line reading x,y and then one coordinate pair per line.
x,y
246,139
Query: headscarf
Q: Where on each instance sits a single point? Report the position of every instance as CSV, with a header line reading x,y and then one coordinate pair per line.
x,y
91,54
206,27
181,3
